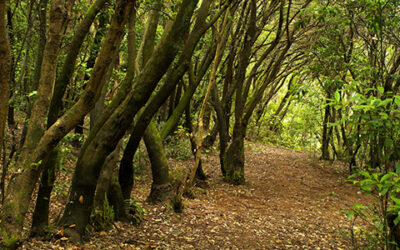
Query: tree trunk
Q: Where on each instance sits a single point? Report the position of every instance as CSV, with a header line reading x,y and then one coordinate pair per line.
x,y
105,182
104,141
40,215
40,218
234,157
223,129
5,68
234,160
200,174
172,78
14,209
161,186
21,188
325,134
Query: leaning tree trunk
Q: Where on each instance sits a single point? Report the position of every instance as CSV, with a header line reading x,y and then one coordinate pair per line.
x,y
14,209
41,212
173,76
93,154
200,174
21,188
161,188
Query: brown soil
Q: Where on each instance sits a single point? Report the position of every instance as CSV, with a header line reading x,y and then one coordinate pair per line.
x,y
290,201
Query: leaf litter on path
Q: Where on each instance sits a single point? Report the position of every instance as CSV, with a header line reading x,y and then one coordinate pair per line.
x,y
289,201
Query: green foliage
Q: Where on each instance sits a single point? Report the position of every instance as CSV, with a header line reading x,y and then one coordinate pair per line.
x,y
136,210
378,121
178,147
176,176
103,219
300,127
10,241
385,188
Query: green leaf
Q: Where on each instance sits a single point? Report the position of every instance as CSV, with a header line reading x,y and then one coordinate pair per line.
x,y
387,176
396,221
33,93
366,188
365,174
396,200
384,102
397,101
385,190
383,115
337,96
381,89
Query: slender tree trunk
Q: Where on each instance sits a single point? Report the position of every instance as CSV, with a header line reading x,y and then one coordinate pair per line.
x,y
5,68
200,174
40,218
125,175
223,130
188,181
42,11
325,134
12,84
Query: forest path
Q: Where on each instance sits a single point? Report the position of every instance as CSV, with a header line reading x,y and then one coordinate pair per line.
x,y
289,201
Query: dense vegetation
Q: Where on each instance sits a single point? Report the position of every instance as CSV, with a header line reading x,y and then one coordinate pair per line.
x,y
100,75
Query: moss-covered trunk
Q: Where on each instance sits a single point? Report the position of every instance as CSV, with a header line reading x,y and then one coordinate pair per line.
x,y
234,160
21,188
41,212
89,164
325,134
173,77
161,186
18,195
108,186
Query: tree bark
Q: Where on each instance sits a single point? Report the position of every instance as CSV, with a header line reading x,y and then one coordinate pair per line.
x,y
172,78
105,180
14,209
21,188
325,135
160,187
234,158
5,69
42,10
200,174
104,141
40,215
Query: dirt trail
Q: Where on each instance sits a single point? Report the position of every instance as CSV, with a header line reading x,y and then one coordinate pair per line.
x,y
289,201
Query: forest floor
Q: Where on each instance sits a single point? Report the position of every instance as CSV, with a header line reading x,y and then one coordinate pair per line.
x,y
290,201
